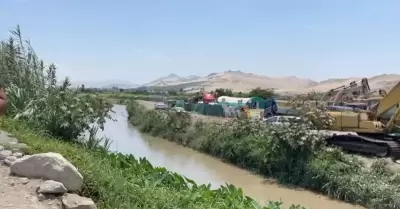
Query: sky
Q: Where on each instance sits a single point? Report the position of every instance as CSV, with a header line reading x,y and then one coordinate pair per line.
x,y
139,41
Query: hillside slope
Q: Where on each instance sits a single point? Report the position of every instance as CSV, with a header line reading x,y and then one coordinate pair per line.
x,y
384,81
244,82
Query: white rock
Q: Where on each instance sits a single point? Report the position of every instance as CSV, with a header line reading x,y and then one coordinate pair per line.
x,y
41,197
22,147
18,154
9,160
6,162
73,201
4,154
24,180
52,187
1,148
52,166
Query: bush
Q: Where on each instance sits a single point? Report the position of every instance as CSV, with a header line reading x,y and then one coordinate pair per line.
x,y
292,155
34,95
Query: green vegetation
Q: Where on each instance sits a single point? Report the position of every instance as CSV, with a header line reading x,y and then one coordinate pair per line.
x,y
51,118
35,97
145,95
132,96
124,182
292,156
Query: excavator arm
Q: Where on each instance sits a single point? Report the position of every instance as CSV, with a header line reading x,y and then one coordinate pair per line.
x,y
360,86
390,101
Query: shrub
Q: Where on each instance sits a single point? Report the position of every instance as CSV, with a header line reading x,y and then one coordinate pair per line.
x,y
293,155
34,95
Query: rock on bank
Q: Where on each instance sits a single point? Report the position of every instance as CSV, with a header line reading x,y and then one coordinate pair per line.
x,y
39,181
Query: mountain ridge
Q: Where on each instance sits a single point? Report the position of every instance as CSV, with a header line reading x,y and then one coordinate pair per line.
x,y
107,84
244,82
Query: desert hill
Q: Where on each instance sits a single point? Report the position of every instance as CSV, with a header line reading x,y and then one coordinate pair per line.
x,y
244,82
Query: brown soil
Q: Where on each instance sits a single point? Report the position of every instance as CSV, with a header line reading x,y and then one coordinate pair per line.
x,y
20,193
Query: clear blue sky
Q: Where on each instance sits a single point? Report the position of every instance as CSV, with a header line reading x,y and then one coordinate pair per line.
x,y
142,40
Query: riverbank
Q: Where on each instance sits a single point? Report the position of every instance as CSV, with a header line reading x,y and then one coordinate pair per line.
x,y
40,181
150,106
204,168
125,182
290,156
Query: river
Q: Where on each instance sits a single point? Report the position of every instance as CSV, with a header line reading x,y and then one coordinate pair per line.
x,y
205,169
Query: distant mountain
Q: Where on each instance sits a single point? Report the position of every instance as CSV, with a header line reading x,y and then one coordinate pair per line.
x,y
172,79
108,84
244,82
235,80
120,86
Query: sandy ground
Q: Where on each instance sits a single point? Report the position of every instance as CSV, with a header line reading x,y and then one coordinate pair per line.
x,y
20,193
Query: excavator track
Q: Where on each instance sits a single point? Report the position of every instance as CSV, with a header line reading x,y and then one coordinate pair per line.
x,y
367,145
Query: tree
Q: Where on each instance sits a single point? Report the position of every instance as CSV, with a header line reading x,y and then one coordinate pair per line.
x,y
263,93
223,92
172,93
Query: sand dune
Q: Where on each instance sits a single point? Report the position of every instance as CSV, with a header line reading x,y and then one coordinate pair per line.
x,y
244,82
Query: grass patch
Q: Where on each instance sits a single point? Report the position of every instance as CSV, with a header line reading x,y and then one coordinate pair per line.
x,y
292,156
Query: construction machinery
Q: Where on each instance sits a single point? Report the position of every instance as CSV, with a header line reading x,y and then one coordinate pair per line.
x,y
346,93
367,131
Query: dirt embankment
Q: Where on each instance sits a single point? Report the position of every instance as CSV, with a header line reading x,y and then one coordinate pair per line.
x,y
39,181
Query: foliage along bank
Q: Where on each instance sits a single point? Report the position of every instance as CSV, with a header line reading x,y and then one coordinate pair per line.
x,y
124,182
51,118
293,156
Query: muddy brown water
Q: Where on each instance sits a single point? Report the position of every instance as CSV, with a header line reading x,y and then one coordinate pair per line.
x,y
205,169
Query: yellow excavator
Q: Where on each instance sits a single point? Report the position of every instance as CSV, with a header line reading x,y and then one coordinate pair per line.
x,y
367,131
342,93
